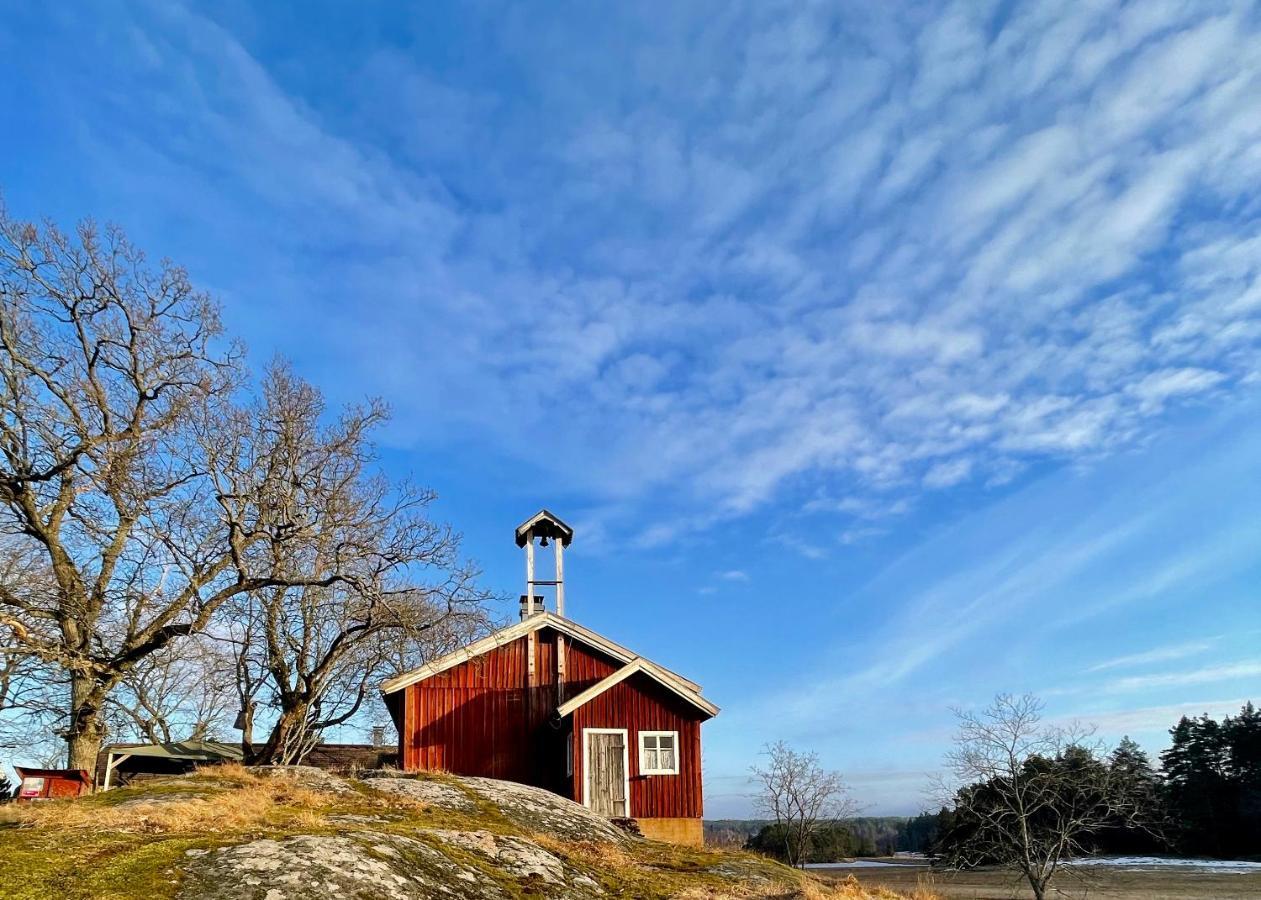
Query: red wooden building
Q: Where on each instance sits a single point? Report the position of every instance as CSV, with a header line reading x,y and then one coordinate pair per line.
x,y
51,784
550,703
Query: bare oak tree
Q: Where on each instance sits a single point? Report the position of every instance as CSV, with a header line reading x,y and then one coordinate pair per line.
x,y
800,796
319,650
129,467
1032,795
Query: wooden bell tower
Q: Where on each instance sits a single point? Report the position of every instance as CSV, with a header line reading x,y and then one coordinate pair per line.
x,y
544,528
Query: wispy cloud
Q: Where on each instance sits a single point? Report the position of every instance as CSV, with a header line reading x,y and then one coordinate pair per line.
x,y
1158,719
892,254
1016,579
1155,655
1203,675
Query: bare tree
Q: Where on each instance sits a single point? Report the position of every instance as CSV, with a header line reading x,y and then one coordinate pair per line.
x,y
1032,795
126,464
318,650
801,796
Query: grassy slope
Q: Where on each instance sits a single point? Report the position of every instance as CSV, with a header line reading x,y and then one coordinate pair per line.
x,y
122,845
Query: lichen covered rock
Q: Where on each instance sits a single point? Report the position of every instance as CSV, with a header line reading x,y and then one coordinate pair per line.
x,y
358,866
535,809
524,861
434,793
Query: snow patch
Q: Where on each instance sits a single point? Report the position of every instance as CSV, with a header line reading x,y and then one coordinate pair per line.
x,y
1139,863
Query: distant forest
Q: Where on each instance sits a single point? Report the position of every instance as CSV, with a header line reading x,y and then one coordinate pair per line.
x,y
862,836
1205,800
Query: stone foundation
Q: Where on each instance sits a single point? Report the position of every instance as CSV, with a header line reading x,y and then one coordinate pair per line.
x,y
676,831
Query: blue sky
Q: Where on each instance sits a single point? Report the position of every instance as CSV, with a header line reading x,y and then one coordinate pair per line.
x,y
883,358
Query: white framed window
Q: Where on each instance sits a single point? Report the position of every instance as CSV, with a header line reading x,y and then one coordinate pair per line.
x,y
658,753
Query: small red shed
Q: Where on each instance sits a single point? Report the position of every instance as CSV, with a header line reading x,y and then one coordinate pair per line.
x,y
52,784
550,703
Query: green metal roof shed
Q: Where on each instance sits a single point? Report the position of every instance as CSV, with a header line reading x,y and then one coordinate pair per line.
x,y
160,759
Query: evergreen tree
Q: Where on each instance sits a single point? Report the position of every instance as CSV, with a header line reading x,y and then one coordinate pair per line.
x,y
1197,789
1243,768
920,834
1135,777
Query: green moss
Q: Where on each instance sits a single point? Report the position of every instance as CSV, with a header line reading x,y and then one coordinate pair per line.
x,y
156,790
94,866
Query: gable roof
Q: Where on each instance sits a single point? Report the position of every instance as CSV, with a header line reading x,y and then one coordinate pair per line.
x,y
521,629
638,665
544,524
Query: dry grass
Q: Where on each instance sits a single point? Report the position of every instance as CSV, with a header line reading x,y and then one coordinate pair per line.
x,y
589,853
851,889
632,863
244,801
808,889
1000,884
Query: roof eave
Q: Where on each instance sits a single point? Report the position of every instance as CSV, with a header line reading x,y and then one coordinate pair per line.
x,y
511,633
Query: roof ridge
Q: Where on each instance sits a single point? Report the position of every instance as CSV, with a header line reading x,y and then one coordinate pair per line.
x,y
512,632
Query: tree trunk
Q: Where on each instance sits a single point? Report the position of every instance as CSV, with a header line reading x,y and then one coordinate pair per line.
x,y
246,723
1039,888
86,731
285,734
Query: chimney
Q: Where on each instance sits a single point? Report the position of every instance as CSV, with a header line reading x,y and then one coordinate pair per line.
x,y
378,737
527,610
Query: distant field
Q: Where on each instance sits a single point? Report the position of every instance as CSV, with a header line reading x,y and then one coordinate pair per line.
x,y
1103,884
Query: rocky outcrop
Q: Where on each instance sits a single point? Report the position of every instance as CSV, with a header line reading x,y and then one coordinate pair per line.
x,y
236,833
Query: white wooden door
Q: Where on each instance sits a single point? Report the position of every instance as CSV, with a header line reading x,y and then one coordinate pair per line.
x,y
606,789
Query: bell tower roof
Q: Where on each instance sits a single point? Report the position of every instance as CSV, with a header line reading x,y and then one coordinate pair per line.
x,y
544,525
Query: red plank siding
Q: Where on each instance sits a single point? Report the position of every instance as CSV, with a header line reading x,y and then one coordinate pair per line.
x,y
640,704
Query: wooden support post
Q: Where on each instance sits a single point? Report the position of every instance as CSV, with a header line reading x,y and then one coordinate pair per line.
x,y
560,577
529,575
110,763
560,668
529,606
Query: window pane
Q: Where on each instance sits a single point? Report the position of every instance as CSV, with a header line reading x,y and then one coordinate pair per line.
x,y
667,759
650,759
667,741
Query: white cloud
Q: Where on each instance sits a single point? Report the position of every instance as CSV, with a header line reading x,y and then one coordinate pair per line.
x,y
734,575
947,474
1156,654
1155,389
1150,718
764,254
1203,675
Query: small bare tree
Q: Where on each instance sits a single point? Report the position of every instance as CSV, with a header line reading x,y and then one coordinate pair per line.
x,y
1032,795
800,796
185,691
